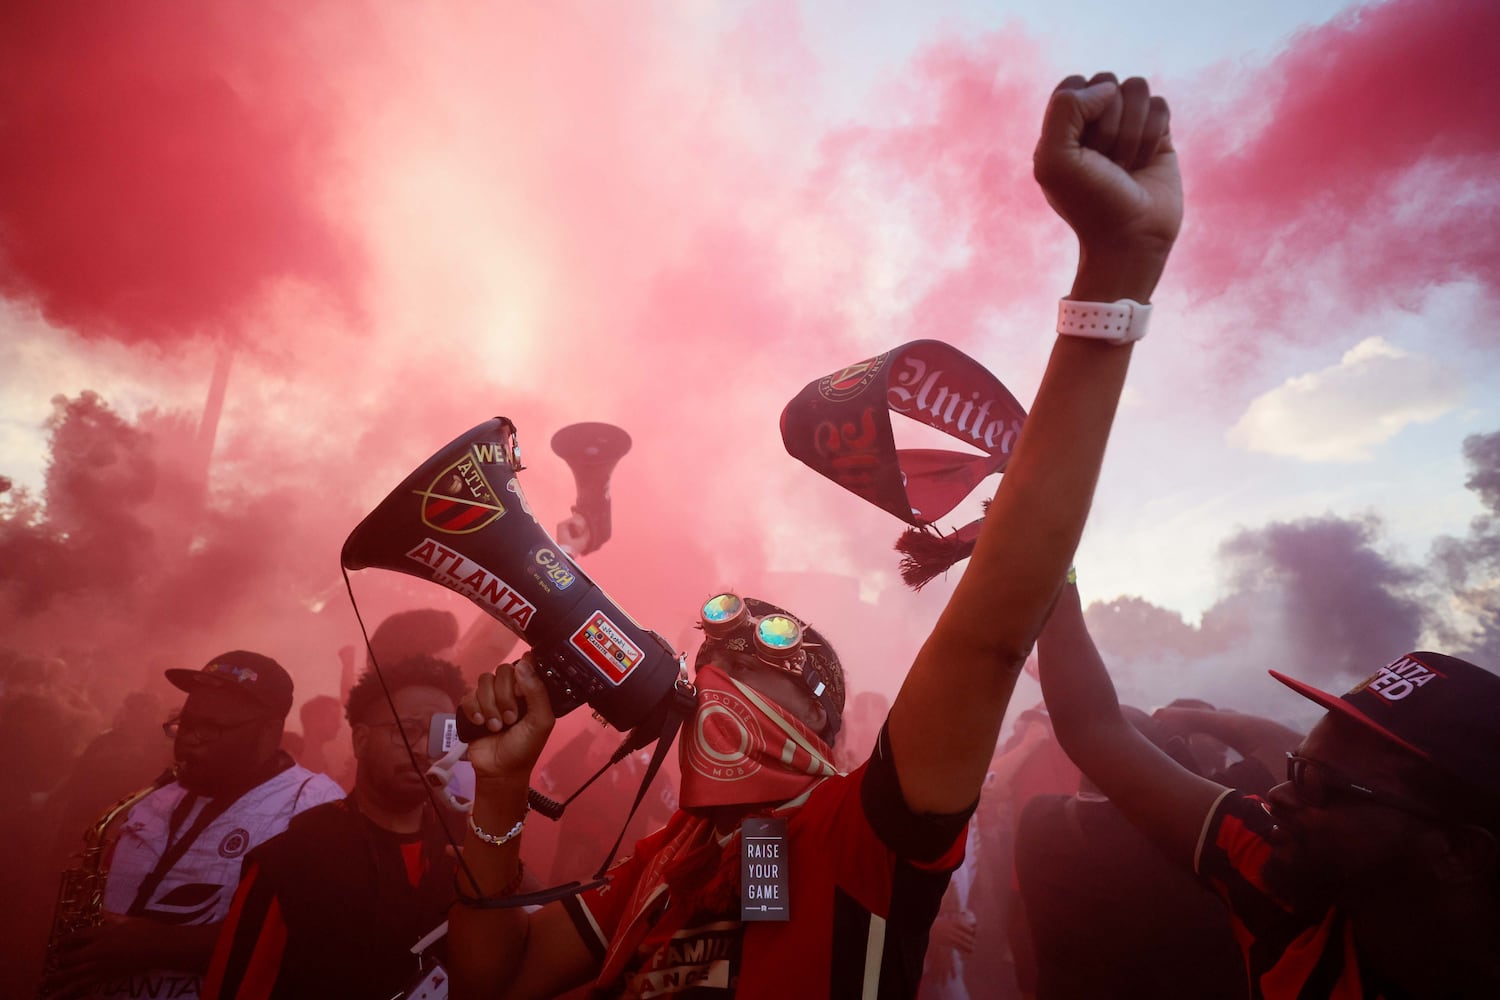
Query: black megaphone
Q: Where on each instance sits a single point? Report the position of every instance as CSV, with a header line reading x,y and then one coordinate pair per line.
x,y
591,450
461,520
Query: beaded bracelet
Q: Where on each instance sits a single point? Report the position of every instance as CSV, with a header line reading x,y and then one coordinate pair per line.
x,y
504,838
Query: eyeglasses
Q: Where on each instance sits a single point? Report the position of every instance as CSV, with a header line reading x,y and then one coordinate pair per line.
x,y
207,731
1317,784
413,731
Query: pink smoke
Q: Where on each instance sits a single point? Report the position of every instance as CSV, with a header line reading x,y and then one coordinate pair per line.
x,y
1366,146
164,164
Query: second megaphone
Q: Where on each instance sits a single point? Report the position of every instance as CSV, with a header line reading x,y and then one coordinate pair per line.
x,y
462,521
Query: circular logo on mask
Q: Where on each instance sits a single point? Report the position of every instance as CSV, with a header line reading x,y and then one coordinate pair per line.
x,y
725,743
235,843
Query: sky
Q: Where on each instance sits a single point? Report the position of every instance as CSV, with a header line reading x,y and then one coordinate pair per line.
x,y
393,222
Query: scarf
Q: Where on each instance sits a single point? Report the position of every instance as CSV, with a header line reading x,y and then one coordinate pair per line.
x,y
741,747
725,761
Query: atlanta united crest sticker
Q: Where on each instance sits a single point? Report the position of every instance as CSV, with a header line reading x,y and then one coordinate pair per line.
x,y
460,500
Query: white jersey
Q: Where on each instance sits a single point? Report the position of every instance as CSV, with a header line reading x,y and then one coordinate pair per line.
x,y
200,885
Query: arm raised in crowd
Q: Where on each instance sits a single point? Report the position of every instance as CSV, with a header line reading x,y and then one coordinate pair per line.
x,y
1250,736
1162,798
1121,194
536,955
1106,164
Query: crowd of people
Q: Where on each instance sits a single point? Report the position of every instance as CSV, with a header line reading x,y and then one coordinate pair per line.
x,y
813,839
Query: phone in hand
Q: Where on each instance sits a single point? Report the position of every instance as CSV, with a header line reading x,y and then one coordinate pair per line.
x,y
441,735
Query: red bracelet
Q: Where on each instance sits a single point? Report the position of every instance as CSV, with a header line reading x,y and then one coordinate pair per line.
x,y
509,890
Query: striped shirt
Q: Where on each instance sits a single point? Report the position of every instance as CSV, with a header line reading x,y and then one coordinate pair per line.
x,y
1288,954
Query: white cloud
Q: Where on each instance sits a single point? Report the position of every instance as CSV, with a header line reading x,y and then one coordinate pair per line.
x,y
1339,414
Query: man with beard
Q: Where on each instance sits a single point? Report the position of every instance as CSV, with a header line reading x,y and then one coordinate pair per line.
x,y
856,863
1372,870
333,906
177,859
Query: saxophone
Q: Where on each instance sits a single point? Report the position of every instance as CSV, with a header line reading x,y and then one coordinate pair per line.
x,y
80,892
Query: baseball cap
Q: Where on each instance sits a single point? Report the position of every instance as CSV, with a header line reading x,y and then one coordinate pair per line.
x,y
1438,707
251,678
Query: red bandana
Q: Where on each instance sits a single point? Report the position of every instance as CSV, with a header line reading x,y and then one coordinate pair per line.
x,y
741,747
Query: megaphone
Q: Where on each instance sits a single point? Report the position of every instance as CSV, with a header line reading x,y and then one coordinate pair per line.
x,y
591,450
461,520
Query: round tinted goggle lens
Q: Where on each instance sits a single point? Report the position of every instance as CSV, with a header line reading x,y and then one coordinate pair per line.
x,y
723,610
779,633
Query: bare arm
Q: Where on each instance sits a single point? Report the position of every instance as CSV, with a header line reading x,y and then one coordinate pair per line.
x,y
1122,196
1265,740
1163,799
508,952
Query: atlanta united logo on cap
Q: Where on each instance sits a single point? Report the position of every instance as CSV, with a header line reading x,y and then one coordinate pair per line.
x,y
1398,680
460,500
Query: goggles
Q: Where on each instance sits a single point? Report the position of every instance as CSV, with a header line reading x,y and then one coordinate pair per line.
x,y
776,639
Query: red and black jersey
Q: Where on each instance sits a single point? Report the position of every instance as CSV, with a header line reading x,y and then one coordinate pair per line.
x,y
1288,953
867,876
331,908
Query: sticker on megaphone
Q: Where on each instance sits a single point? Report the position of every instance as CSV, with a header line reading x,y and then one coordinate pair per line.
x,y
462,521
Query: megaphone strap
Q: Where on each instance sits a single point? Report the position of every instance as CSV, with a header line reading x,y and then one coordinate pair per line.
x,y
680,704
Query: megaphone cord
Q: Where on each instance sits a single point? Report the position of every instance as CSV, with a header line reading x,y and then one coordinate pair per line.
x,y
677,711
411,752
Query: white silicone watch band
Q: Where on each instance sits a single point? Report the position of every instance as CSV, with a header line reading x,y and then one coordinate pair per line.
x,y
1121,322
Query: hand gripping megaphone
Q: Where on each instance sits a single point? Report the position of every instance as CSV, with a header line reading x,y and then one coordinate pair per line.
x,y
461,520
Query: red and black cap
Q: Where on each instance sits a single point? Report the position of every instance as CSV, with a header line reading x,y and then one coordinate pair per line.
x,y
256,680
1438,707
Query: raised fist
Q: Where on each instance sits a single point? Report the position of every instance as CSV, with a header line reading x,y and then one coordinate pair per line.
x,y
1106,164
512,705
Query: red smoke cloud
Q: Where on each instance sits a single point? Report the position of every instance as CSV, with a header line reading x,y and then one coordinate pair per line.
x,y
559,224
1368,144
163,163
957,161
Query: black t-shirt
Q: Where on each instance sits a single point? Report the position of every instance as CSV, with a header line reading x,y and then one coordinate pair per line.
x,y
1110,916
332,908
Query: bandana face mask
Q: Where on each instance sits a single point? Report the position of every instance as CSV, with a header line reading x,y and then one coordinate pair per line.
x,y
741,747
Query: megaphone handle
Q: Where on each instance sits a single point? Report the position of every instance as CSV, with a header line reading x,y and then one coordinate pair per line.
x,y
468,731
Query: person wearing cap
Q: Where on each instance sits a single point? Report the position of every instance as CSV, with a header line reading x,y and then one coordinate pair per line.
x,y
177,859
1372,870
868,854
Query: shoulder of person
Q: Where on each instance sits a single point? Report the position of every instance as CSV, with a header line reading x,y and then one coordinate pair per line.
x,y
313,830
314,787
324,817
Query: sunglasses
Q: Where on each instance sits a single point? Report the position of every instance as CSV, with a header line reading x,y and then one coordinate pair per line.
x,y
207,731
1318,785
